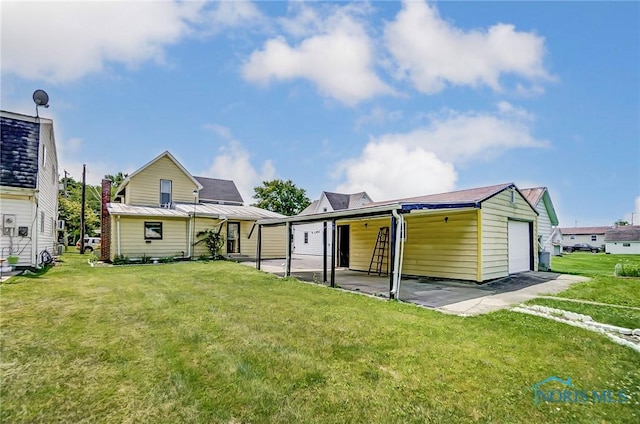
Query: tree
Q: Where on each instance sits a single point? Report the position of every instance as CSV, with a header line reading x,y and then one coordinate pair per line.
x,y
621,222
116,180
281,197
70,205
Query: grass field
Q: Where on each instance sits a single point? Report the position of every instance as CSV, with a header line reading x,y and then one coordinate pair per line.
x,y
221,342
603,288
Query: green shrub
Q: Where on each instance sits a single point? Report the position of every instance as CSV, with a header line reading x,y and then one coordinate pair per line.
x,y
121,260
166,259
204,258
626,270
145,259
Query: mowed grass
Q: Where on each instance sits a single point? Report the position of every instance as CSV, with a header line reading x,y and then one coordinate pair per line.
x,y
221,342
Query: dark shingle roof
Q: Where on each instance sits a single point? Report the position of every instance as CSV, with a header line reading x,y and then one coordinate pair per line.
x,y
584,231
623,233
216,190
19,146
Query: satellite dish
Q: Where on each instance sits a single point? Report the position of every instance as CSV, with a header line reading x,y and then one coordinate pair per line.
x,y
41,98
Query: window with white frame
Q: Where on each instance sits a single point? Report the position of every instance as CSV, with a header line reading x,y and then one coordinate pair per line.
x,y
594,238
165,193
306,237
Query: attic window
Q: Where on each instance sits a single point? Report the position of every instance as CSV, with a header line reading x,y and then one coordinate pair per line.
x,y
165,193
513,196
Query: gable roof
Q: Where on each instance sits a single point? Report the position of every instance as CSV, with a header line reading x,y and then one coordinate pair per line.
x,y
458,198
167,154
217,190
338,201
461,199
623,233
535,195
584,231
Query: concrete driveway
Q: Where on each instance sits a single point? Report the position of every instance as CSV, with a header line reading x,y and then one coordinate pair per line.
x,y
449,296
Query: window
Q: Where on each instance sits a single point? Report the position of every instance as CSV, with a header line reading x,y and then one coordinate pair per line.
x,y
41,222
165,193
572,237
324,209
626,244
594,238
306,237
44,155
513,196
153,230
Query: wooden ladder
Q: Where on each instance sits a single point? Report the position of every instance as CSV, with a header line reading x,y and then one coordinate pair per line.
x,y
380,252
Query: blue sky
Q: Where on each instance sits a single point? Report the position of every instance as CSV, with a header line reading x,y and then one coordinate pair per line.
x,y
394,98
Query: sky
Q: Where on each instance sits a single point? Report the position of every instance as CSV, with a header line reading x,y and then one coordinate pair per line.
x,y
397,99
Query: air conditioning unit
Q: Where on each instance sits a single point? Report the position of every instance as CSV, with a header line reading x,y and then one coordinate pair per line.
x,y
60,224
165,205
8,221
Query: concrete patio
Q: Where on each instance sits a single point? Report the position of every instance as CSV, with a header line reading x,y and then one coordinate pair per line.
x,y
449,296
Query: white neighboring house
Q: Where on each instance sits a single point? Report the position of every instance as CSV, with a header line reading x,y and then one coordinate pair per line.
x,y
307,238
624,239
28,187
589,235
549,235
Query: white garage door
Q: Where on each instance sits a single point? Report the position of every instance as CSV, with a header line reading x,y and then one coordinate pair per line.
x,y
519,247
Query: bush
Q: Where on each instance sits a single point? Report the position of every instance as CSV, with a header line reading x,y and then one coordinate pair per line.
x,y
213,239
626,270
166,260
145,259
204,258
121,260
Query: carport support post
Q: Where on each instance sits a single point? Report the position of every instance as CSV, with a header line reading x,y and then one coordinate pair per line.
x,y
259,247
287,270
324,252
392,256
333,253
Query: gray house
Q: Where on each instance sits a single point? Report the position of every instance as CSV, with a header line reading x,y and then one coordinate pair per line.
x,y
624,239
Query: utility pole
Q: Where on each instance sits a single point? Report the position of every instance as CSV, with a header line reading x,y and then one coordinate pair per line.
x,y
66,193
84,180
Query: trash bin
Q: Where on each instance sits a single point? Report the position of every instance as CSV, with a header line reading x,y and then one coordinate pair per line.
x,y
544,261
60,249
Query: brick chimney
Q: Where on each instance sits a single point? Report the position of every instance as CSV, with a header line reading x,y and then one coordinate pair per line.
x,y
105,222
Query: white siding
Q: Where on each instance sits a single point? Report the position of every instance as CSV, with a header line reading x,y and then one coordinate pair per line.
x,y
544,227
48,191
619,248
23,208
315,236
570,239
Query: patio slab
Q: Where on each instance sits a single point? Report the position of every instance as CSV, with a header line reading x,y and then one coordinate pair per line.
x,y
448,296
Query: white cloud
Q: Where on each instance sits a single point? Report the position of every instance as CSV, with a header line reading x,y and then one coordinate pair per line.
x,y
392,170
63,41
461,137
433,53
233,162
338,59
236,13
422,161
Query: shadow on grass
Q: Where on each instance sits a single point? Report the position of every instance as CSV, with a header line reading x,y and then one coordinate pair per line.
x,y
31,273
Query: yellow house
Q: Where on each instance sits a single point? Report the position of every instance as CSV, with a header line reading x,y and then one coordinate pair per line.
x,y
478,234
160,208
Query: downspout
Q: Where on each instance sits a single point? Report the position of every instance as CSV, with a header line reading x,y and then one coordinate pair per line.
x,y
479,246
396,263
118,233
189,240
403,237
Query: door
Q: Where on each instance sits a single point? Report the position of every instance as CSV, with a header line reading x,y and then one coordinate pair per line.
x,y
343,246
519,239
233,237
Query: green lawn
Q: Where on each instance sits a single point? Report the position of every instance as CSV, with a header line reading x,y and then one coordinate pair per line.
x,y
221,342
591,264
